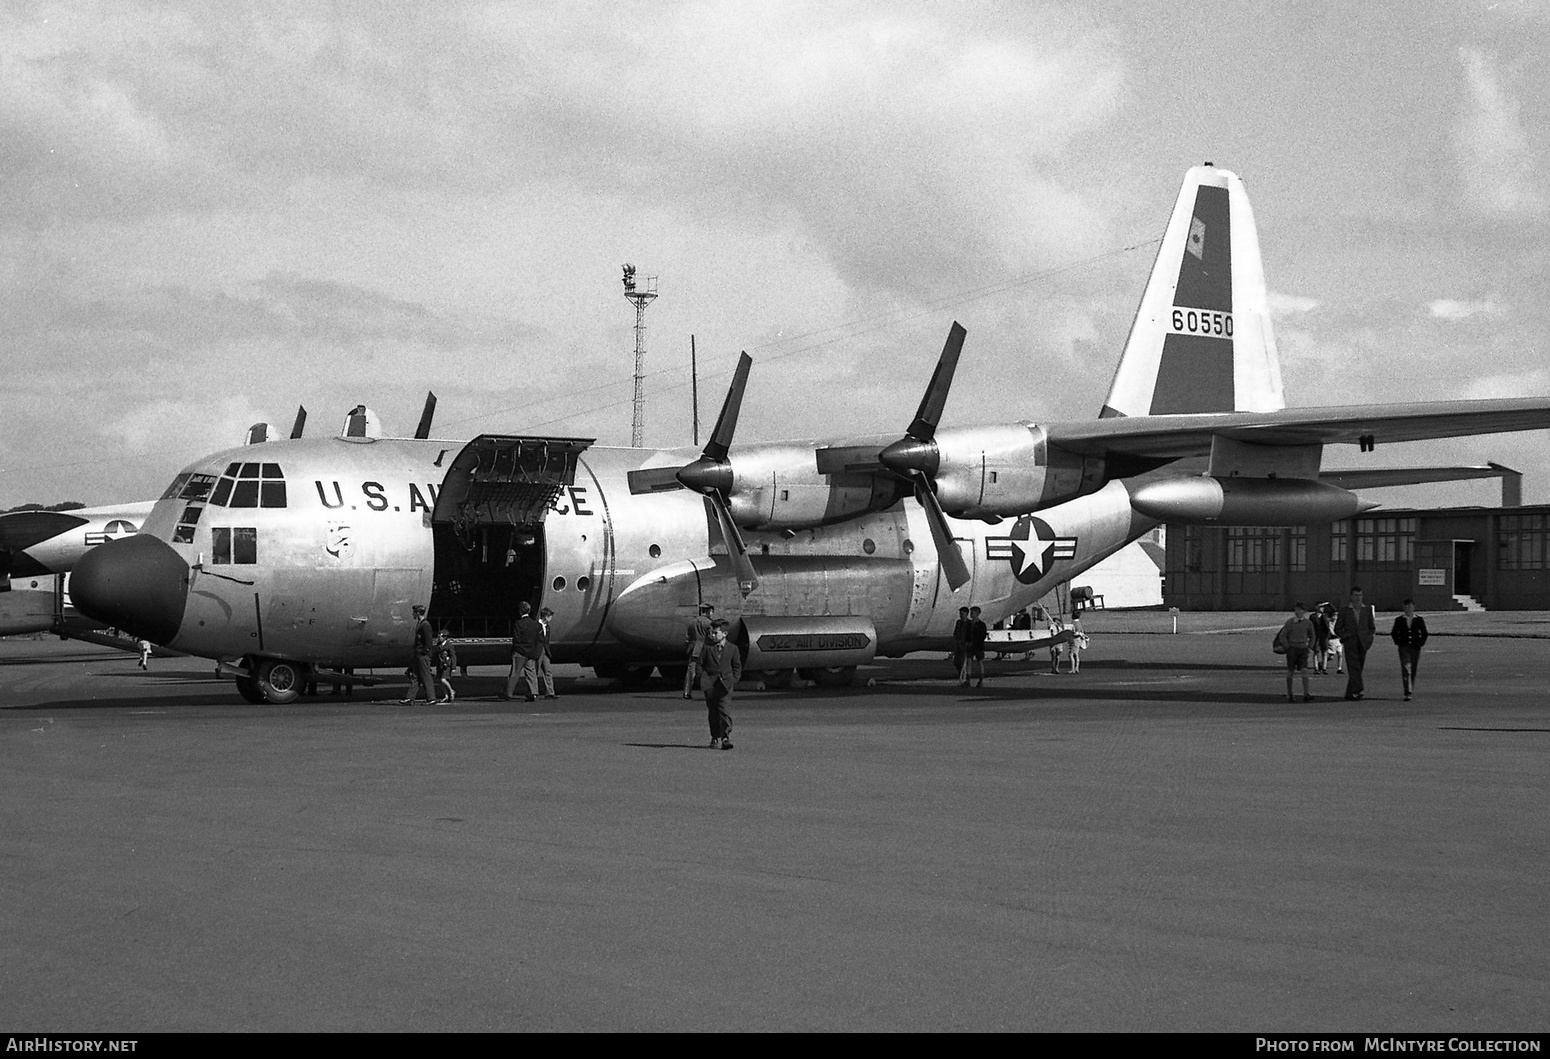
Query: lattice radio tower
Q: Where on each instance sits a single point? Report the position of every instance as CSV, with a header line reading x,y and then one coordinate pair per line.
x,y
641,297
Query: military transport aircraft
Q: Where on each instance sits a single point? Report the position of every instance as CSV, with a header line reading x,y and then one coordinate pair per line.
x,y
305,557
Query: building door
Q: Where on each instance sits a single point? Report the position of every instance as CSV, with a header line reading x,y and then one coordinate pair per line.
x,y
1463,552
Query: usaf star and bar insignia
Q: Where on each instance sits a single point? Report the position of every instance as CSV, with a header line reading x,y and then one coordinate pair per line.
x,y
1032,547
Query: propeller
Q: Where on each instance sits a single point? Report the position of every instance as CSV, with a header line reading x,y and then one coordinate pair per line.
x,y
915,457
711,477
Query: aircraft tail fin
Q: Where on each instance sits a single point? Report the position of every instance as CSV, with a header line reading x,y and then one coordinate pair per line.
x,y
1202,340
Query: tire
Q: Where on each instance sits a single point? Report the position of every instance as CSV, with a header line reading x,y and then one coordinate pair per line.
x,y
830,676
281,681
774,678
247,687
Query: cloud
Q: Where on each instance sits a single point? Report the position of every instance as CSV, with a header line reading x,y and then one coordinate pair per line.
x,y
1496,161
1514,384
909,145
1283,306
1450,309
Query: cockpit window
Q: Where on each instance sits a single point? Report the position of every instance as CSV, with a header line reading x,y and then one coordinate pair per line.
x,y
250,485
198,487
176,487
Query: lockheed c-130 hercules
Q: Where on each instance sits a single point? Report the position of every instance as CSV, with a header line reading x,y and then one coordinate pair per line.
x,y
300,557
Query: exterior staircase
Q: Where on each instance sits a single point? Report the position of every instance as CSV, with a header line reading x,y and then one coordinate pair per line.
x,y
1469,603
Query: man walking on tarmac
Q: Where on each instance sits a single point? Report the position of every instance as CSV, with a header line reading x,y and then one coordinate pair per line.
x,y
1355,629
694,645
526,647
721,667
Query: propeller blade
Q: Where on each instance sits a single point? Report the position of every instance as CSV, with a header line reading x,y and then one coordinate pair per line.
x,y
301,422
947,550
423,431
930,412
720,442
737,551
710,472
654,480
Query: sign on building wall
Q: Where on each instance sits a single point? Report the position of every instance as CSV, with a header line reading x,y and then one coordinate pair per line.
x,y
1431,576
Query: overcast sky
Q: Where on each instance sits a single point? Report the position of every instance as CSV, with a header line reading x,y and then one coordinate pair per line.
x,y
213,213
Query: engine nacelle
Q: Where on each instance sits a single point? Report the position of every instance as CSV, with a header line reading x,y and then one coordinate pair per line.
x,y
778,487
1247,501
1008,470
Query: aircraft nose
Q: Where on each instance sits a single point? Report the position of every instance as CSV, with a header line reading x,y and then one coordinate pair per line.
x,y
138,584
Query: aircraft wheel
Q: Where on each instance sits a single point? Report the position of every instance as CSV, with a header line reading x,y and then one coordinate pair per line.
x,y
281,681
674,675
831,676
247,687
774,678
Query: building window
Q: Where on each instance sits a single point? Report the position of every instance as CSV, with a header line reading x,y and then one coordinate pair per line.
x,y
234,545
1194,550
1340,542
1297,546
1253,549
1385,540
1520,542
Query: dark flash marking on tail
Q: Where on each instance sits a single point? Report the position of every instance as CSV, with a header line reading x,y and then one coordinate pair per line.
x,y
1195,375
1205,274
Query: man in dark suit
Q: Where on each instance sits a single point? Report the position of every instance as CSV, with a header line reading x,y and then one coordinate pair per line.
x,y
1408,634
694,646
974,649
544,663
423,677
961,646
721,667
1355,629
527,644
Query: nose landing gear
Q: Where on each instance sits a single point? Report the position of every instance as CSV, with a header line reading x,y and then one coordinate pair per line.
x,y
274,681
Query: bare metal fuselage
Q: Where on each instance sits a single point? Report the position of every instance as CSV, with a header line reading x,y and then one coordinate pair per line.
x,y
330,577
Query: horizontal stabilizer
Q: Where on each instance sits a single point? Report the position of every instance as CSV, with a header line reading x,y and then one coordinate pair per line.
x,y
1379,477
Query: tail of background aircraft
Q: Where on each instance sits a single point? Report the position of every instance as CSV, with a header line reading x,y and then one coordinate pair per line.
x,y
1202,340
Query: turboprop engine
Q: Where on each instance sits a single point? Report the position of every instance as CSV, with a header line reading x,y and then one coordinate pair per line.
x,y
989,472
1247,501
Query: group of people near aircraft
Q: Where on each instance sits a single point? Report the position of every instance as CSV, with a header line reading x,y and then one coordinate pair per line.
x,y
1305,636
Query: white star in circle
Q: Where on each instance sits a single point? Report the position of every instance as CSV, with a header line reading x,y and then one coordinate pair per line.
x,y
1030,553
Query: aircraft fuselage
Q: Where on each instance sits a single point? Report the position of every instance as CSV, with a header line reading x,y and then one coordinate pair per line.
x,y
314,550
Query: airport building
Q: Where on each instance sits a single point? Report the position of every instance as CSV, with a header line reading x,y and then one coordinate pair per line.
x,y
1455,558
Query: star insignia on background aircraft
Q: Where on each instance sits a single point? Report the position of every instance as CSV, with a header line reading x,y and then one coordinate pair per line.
x,y
1033,548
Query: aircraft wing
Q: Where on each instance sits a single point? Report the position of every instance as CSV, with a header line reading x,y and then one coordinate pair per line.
x,y
1176,436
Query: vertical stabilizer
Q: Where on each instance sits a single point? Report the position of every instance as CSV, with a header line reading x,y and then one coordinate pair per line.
x,y
1202,340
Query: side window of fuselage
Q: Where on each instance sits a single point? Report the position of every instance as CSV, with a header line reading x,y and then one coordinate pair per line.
x,y
234,545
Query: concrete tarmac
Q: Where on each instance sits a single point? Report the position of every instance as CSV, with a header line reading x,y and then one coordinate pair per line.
x,y
1160,842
